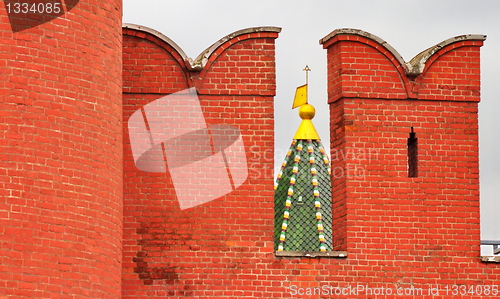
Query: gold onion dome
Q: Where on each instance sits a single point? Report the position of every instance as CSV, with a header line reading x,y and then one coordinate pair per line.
x,y
302,199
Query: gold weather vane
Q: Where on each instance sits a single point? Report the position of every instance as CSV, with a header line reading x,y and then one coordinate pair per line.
x,y
306,129
301,92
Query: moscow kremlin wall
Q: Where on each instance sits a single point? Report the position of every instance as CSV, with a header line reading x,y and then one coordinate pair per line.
x,y
79,219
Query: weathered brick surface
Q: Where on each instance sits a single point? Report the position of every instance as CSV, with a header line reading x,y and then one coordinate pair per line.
x,y
64,140
61,155
150,65
453,74
208,251
399,232
397,229
243,66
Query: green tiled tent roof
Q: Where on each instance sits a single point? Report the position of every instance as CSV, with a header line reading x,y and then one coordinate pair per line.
x,y
302,199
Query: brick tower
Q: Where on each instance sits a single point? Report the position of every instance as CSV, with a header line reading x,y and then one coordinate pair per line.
x,y
61,150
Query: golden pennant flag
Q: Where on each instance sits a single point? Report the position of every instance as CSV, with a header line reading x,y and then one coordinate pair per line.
x,y
306,130
300,96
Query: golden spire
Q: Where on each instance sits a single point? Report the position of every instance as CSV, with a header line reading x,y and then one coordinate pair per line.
x,y
306,130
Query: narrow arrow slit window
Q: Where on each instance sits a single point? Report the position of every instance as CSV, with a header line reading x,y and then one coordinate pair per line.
x,y
412,155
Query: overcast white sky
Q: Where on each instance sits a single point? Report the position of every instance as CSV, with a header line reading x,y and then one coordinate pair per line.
x,y
409,26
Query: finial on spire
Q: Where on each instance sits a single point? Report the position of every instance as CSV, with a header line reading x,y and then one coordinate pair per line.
x,y
306,129
307,70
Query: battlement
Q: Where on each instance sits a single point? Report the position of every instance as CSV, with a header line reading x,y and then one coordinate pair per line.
x,y
233,57
377,103
364,65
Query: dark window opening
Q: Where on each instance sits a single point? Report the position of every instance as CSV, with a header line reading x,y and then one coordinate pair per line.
x,y
412,155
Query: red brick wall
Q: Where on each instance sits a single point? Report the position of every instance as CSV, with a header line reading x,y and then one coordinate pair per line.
x,y
399,232
397,229
61,155
208,251
61,168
